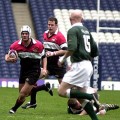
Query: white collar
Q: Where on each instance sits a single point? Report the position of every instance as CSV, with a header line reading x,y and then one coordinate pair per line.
x,y
33,40
54,33
77,24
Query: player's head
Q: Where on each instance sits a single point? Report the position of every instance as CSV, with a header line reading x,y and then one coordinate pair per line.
x,y
76,16
74,103
52,24
25,32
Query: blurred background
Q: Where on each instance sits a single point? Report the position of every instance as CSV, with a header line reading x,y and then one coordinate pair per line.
x,y
101,17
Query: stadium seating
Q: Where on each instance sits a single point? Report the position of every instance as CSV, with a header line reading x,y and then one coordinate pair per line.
x,y
109,17
8,34
41,10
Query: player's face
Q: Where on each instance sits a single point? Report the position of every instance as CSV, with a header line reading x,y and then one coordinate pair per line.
x,y
77,105
52,27
25,36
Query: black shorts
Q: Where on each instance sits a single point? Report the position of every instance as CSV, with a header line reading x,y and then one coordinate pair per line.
x,y
56,71
31,77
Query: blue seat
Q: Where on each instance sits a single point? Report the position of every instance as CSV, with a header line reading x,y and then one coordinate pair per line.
x,y
7,30
110,53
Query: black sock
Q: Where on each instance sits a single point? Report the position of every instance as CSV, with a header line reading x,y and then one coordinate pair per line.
x,y
34,92
74,93
17,104
89,109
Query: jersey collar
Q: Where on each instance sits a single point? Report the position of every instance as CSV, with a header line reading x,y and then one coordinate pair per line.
x,y
33,41
77,24
54,33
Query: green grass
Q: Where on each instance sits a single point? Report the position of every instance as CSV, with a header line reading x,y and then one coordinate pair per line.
x,y
51,108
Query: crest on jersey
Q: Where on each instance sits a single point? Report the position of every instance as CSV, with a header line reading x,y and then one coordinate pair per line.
x,y
53,40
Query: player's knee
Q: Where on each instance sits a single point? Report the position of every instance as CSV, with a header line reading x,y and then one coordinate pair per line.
x,y
23,95
62,92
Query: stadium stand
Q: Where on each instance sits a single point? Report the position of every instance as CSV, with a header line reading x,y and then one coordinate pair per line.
x,y
109,17
7,35
108,40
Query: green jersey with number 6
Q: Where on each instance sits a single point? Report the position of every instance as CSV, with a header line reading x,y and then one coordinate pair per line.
x,y
81,42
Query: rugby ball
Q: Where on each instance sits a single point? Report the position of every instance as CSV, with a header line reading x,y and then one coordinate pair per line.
x,y
13,53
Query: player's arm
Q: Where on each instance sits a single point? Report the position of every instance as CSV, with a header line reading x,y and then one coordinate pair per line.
x,y
61,41
55,53
44,71
44,63
60,52
63,46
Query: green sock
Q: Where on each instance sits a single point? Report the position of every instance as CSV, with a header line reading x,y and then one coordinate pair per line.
x,y
89,109
77,94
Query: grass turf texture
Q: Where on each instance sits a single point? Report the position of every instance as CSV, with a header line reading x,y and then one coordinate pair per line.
x,y
51,108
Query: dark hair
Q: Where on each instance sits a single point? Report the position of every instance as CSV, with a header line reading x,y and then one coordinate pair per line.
x,y
72,102
53,19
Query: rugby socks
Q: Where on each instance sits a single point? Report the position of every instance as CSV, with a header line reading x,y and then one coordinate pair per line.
x,y
34,92
74,93
33,95
17,104
89,109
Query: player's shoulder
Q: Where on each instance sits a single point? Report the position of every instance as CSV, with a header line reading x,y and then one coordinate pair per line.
x,y
15,43
60,36
39,43
60,33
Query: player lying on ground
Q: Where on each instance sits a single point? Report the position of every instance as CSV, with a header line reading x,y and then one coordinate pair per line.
x,y
74,107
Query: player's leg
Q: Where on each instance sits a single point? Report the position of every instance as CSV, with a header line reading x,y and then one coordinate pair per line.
x,y
22,95
32,103
66,92
88,107
79,75
30,79
110,106
46,87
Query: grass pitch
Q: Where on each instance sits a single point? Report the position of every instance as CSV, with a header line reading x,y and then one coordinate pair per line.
x,y
52,107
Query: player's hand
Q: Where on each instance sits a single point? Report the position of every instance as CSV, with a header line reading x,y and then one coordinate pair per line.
x,y
45,72
61,61
11,59
49,53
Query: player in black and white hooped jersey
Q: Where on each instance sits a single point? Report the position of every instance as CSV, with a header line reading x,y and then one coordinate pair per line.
x,y
31,52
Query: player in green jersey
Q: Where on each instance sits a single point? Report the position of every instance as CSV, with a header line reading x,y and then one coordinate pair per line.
x,y
82,49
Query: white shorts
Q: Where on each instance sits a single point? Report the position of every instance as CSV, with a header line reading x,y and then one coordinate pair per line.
x,y
79,74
